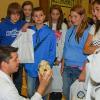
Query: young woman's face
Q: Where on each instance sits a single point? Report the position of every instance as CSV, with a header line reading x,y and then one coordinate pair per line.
x,y
38,17
96,9
93,16
27,10
15,17
75,18
55,14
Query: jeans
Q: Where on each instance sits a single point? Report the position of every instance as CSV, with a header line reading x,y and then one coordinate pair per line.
x,y
32,84
70,74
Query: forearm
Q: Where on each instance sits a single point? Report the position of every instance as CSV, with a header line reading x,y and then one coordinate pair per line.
x,y
90,49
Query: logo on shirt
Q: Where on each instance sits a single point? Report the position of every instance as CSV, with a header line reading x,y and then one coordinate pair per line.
x,y
12,33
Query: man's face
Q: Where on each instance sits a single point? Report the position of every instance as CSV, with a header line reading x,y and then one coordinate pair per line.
x,y
13,63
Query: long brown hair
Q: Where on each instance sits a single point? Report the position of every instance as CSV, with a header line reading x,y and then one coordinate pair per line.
x,y
97,24
60,20
84,24
25,4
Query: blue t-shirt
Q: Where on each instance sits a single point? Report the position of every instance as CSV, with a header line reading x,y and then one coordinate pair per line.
x,y
73,51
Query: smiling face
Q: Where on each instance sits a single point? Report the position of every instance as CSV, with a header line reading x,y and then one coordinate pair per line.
x,y
75,18
96,9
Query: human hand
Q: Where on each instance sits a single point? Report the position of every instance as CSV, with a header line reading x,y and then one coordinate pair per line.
x,y
57,62
62,66
44,81
25,27
82,76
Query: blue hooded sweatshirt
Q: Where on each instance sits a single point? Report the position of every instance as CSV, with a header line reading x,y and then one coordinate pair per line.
x,y
73,51
9,31
45,51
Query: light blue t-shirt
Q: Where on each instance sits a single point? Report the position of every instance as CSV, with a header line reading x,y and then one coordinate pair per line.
x,y
73,51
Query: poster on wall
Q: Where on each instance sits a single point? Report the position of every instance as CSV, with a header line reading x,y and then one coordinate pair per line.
x,y
63,3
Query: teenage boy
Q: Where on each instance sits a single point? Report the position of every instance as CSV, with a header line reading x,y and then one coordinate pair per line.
x,y
44,42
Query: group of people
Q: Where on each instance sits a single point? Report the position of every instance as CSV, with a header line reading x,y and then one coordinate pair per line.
x,y
54,41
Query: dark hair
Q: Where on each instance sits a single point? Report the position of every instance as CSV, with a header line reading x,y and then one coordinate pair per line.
x,y
5,52
59,23
24,4
38,9
2,19
96,1
14,8
97,24
84,24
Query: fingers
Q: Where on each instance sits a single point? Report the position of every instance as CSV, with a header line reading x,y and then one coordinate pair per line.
x,y
47,75
40,76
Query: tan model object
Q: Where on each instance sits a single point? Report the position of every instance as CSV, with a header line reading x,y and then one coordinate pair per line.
x,y
44,66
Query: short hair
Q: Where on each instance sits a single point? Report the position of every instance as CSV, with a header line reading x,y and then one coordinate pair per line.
x,y
5,52
14,8
38,9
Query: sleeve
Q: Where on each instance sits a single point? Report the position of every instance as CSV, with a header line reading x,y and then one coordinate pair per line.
x,y
52,50
1,33
97,93
61,42
9,92
92,30
36,96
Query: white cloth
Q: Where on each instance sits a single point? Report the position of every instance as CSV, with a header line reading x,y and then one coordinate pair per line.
x,y
93,69
8,90
57,83
77,91
24,42
60,42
